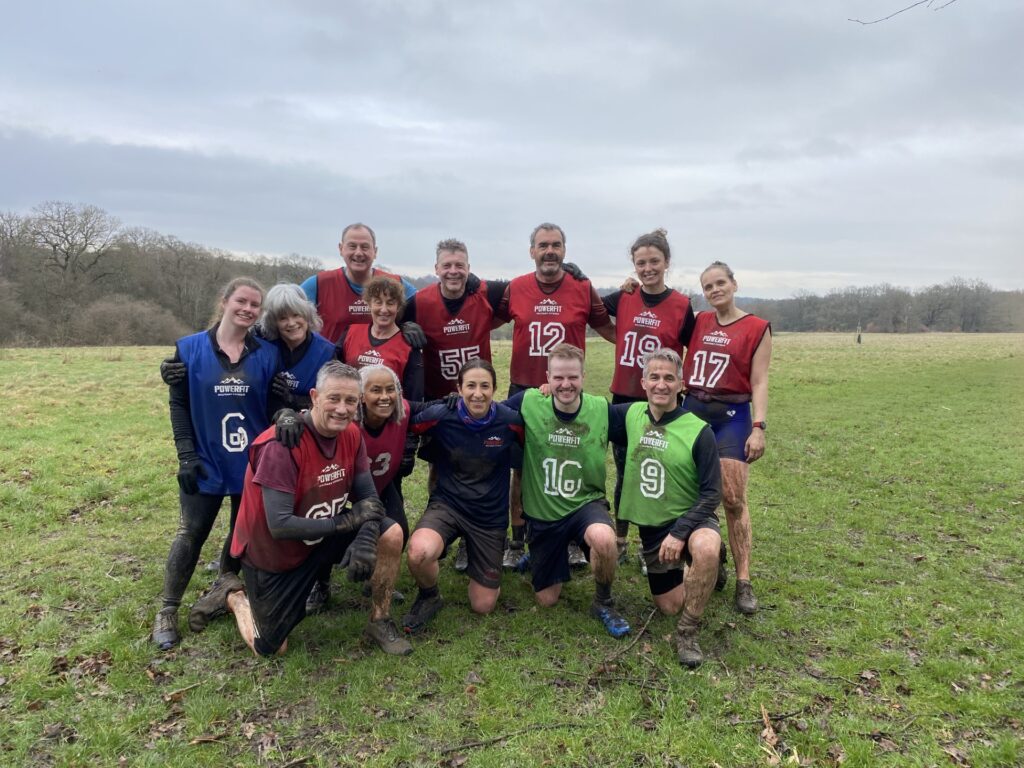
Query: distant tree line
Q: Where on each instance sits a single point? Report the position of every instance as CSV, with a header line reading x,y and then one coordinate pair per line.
x,y
73,274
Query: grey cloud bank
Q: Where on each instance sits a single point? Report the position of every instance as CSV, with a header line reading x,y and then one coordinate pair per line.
x,y
807,151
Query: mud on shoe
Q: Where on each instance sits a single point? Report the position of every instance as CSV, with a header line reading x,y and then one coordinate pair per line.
x,y
421,612
461,558
318,597
576,557
513,551
687,647
386,636
215,602
165,629
746,603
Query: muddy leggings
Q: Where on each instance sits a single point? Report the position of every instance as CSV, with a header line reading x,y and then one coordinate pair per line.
x,y
198,513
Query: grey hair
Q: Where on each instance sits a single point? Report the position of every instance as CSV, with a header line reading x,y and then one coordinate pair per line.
x,y
334,369
545,225
666,355
287,299
364,375
452,246
359,225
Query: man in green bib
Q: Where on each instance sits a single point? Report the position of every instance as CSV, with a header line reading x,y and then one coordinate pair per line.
x,y
670,490
564,484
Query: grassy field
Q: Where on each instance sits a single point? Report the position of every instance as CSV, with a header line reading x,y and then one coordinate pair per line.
x,y
887,559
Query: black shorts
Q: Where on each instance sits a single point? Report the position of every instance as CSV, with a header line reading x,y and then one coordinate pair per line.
x,y
548,539
664,577
278,600
484,546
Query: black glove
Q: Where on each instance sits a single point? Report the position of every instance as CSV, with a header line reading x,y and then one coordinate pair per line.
x,y
172,371
412,444
361,556
472,284
451,400
571,269
281,388
414,335
288,427
369,510
190,469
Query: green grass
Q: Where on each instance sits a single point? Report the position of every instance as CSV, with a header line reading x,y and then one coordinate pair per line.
x,y
887,558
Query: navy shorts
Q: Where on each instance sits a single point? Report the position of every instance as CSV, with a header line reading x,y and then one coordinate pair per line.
x,y
484,546
729,421
664,577
548,539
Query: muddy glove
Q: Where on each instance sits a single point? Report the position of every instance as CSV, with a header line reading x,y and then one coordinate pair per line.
x,y
361,556
281,387
288,427
369,510
172,371
190,469
414,335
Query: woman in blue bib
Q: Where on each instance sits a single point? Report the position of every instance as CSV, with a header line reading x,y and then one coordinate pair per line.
x,y
217,409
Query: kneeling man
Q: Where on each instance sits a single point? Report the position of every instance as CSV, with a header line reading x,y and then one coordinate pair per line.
x,y
671,488
295,519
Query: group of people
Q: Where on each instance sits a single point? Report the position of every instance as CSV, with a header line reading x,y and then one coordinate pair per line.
x,y
306,406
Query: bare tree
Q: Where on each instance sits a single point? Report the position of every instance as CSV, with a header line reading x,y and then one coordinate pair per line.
x,y
926,3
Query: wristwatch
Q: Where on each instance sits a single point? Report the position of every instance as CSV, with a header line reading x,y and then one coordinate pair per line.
x,y
762,425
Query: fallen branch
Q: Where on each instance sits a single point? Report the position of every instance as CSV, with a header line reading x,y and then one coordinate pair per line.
x,y
176,695
766,717
509,735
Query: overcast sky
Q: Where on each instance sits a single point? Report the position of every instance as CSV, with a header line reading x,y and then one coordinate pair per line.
x,y
807,151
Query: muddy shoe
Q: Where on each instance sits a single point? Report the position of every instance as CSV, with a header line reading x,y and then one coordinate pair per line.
x,y
513,552
746,603
462,558
723,574
576,557
422,611
613,621
215,602
385,634
687,632
319,596
165,629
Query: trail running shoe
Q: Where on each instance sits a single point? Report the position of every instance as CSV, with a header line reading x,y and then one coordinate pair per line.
x,y
576,557
165,629
746,603
422,611
215,602
513,552
613,621
461,558
687,647
318,597
385,634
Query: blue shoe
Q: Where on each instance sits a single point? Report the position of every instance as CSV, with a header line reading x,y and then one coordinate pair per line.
x,y
612,619
523,564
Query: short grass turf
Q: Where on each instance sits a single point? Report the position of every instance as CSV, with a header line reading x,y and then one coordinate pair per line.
x,y
887,559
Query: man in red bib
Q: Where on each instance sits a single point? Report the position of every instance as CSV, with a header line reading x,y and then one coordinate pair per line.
x,y
546,310
295,518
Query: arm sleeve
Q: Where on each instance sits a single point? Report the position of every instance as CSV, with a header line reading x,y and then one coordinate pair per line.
x,y
278,507
598,313
409,314
709,479
611,303
309,286
501,310
412,376
516,401
617,423
362,482
686,332
181,415
410,289
495,293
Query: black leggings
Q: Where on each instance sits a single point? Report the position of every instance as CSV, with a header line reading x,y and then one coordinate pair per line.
x,y
198,513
